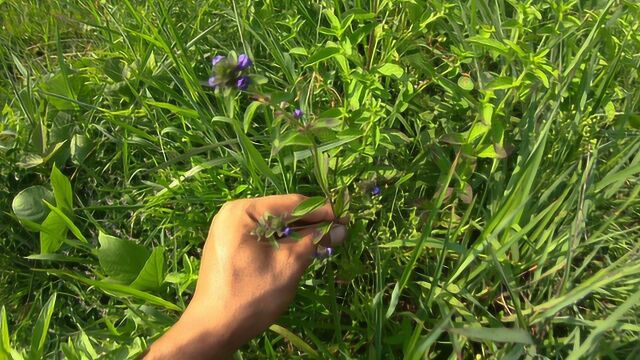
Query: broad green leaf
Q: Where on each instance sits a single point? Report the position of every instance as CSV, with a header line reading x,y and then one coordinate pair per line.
x,y
74,229
492,151
62,190
295,340
308,206
53,232
79,148
152,274
60,93
465,83
28,204
488,43
5,344
121,259
392,70
248,115
494,334
322,54
298,51
41,328
501,83
610,110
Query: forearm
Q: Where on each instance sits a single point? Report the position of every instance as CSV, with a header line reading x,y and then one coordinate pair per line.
x,y
195,336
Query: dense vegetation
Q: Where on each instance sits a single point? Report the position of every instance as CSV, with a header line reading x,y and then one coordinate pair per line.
x,y
502,135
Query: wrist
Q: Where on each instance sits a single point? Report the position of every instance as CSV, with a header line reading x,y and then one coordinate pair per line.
x,y
196,335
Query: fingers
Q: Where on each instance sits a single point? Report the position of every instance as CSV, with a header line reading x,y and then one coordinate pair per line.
x,y
283,205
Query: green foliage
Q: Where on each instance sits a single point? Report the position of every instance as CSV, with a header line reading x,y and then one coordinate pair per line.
x,y
487,154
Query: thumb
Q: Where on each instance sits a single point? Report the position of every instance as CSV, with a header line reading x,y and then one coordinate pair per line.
x,y
304,249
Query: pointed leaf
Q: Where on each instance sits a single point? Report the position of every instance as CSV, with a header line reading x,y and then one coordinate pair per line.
x,y
322,54
308,206
61,190
495,334
5,345
121,259
152,274
41,328
392,70
52,234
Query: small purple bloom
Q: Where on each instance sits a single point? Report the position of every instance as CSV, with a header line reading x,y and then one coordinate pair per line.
x,y
243,82
376,191
287,231
243,62
216,59
329,251
297,113
212,82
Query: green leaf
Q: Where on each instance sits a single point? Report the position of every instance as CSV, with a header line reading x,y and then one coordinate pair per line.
x,y
610,110
248,115
308,206
494,334
58,257
122,260
298,51
41,328
109,287
5,344
295,340
501,83
492,151
52,234
189,113
322,54
79,148
152,274
632,119
28,204
74,229
488,43
392,70
61,190
465,83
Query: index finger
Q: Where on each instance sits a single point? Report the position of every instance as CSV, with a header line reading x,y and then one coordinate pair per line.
x,y
283,205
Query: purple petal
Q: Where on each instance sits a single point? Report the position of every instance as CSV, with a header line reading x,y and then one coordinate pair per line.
x,y
297,113
243,62
287,231
376,191
212,81
216,59
243,83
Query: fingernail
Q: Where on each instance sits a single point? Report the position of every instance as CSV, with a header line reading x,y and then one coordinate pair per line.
x,y
337,234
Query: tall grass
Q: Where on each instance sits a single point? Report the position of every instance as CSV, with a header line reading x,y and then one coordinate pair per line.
x,y
503,135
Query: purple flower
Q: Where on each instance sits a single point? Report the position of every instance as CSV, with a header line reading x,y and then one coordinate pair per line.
x,y
216,59
243,62
287,231
329,251
297,113
212,82
243,82
376,191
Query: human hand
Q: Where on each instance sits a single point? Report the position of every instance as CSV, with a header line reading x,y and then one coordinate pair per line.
x,y
244,285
